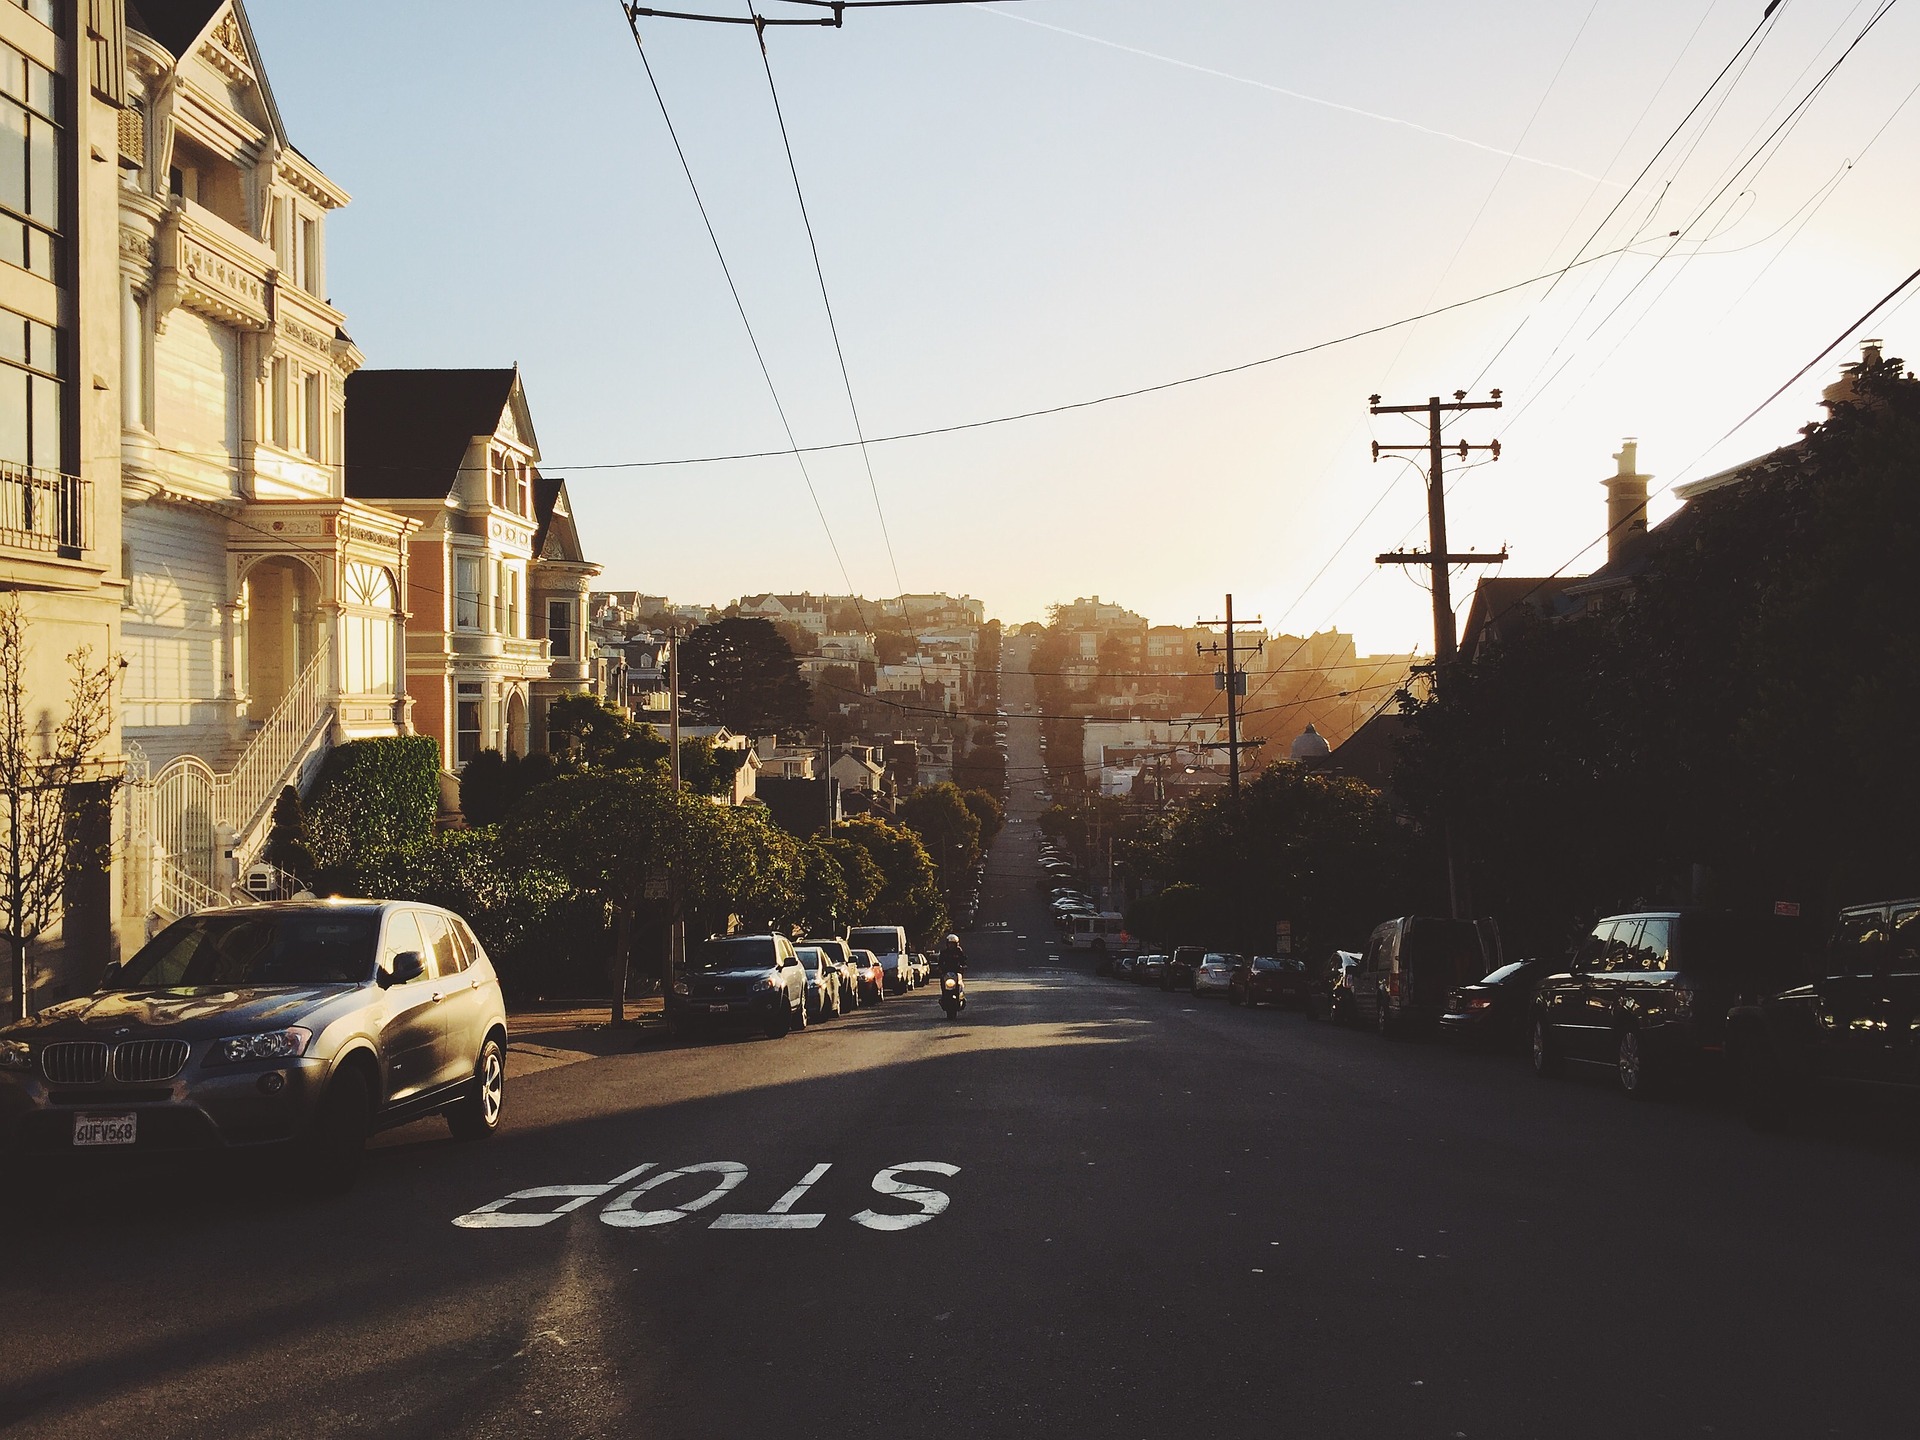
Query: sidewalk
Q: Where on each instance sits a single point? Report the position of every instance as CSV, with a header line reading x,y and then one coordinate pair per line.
x,y
544,1035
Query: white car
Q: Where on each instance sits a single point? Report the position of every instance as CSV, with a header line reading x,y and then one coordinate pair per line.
x,y
1215,973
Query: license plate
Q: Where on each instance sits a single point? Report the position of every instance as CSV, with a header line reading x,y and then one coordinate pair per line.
x,y
104,1129
718,1009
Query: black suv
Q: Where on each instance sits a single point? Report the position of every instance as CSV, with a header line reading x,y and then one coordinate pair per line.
x,y
1182,966
1854,1021
1649,994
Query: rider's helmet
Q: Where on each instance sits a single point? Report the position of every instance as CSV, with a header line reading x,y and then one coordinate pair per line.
x,y
953,940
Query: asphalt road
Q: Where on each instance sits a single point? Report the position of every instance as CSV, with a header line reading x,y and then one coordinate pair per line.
x,y
1163,1217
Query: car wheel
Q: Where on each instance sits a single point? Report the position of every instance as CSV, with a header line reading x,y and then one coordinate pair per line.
x,y
1542,1052
779,1023
803,1014
335,1145
477,1115
1638,1077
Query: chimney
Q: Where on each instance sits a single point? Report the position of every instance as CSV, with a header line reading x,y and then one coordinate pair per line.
x,y
1626,501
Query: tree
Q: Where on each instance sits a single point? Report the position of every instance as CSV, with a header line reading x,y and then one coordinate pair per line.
x,y
613,834
54,791
493,783
909,892
583,728
740,673
988,811
890,647
950,831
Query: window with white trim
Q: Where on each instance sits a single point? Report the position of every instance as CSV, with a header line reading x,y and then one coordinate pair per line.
x,y
466,592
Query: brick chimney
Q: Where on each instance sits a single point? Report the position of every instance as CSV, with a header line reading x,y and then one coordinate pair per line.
x,y
1626,501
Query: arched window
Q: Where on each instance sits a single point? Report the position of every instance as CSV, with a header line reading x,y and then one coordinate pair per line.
x,y
368,621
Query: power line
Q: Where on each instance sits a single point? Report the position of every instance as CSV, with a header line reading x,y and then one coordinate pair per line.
x,y
826,300
740,305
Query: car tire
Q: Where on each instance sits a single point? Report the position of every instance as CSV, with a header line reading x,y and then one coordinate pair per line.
x,y
1542,1053
1637,1075
802,1014
477,1113
780,1023
332,1151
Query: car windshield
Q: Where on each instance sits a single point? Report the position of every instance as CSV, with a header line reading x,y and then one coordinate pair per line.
x,y
811,956
757,952
257,947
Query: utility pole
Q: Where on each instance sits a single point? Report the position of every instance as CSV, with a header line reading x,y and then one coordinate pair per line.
x,y
673,699
1438,558
1234,681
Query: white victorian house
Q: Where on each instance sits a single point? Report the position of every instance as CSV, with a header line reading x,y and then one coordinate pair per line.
x,y
263,618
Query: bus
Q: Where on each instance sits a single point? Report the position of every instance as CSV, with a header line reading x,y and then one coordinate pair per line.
x,y
1105,933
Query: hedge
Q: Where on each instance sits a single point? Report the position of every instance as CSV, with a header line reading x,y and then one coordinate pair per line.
x,y
374,795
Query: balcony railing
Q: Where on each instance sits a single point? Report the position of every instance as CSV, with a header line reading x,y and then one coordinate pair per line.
x,y
44,511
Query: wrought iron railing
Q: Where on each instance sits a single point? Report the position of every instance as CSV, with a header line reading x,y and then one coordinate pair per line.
x,y
257,776
182,895
44,511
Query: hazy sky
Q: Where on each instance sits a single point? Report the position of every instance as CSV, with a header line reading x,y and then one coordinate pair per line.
x,y
1012,217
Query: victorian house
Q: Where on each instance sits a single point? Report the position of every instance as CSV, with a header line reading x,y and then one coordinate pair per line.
x,y
499,584
263,619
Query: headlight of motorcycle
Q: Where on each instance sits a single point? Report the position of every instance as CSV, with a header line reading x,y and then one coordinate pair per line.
x,y
15,1055
269,1045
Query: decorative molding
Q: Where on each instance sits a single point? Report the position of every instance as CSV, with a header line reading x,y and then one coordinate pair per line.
x,y
227,32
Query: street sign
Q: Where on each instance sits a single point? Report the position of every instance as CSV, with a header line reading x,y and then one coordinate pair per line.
x,y
1787,909
1283,937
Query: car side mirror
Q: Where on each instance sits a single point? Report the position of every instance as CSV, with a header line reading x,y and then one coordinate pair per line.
x,y
407,967
112,974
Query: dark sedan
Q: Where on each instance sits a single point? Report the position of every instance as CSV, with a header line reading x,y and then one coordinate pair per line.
x,y
1493,1011
298,1027
1269,980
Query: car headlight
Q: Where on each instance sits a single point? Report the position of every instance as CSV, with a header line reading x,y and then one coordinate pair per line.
x,y
15,1055
766,982
269,1045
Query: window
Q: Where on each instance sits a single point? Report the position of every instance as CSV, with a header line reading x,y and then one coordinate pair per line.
x,y
1651,949
1591,954
30,393
524,496
560,628
446,959
367,623
1906,942
310,402
496,479
402,936
279,384
310,256
29,163
506,599
466,721
1859,944
41,10
466,592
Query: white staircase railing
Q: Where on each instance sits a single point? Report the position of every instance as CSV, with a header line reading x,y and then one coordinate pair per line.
x,y
261,770
180,895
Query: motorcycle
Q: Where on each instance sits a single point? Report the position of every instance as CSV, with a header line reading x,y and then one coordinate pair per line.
x,y
953,994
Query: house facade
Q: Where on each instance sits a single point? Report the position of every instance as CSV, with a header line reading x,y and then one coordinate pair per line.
x,y
62,88
453,453
263,619
557,591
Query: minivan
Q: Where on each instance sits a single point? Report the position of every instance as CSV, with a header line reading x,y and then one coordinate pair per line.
x,y
1413,963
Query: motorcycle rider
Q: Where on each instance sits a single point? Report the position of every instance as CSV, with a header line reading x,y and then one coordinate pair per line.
x,y
953,961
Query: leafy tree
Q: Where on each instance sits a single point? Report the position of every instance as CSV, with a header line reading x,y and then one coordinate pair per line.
x,y
948,828
52,790
890,647
910,892
842,884
583,728
741,674
708,770
491,784
988,811
981,768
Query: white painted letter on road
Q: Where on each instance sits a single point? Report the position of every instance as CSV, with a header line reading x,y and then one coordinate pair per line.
x,y
495,1215
781,1216
727,1174
931,1202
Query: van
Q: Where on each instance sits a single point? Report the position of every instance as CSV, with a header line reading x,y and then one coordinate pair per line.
x,y
1411,965
889,945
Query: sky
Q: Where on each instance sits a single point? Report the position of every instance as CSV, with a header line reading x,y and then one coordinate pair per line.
x,y
1027,205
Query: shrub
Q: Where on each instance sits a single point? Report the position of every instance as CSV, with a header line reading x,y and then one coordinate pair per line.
x,y
374,795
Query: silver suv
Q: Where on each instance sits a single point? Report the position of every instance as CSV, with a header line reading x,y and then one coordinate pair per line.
x,y
299,1027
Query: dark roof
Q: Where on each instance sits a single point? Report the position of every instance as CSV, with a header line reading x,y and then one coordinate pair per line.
x,y
557,538
1371,752
1500,599
408,430
176,24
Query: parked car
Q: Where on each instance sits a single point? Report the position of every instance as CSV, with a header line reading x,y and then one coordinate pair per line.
x,y
1178,972
889,943
295,1028
1148,970
1412,964
922,968
1493,1010
1649,994
850,986
823,981
1854,1022
872,977
1269,980
740,979
1120,967
1214,974
1330,988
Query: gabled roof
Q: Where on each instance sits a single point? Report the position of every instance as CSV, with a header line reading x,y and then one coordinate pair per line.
x,y
557,537
178,25
408,430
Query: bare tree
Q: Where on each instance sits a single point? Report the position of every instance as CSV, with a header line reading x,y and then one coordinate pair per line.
x,y
49,770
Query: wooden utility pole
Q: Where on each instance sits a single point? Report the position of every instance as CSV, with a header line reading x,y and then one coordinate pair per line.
x,y
1438,558
1234,681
